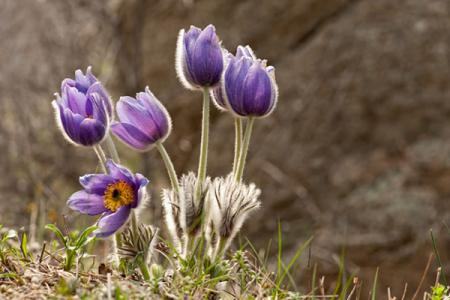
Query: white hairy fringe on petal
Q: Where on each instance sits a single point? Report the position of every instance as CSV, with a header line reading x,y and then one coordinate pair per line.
x,y
230,203
250,51
59,122
145,202
271,71
169,203
165,112
226,60
180,62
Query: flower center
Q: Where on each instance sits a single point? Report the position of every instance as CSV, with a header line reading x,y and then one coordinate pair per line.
x,y
118,194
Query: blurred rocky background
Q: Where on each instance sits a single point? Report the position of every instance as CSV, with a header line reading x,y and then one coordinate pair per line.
x,y
356,154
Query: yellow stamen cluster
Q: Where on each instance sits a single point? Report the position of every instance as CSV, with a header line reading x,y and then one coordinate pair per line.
x,y
118,194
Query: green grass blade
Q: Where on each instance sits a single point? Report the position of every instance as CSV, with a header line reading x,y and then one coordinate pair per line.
x,y
57,232
296,256
341,273
313,283
374,287
24,246
280,250
83,238
348,283
438,257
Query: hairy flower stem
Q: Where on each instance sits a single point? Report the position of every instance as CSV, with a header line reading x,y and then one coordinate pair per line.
x,y
170,168
112,148
102,158
140,260
134,225
237,142
144,269
244,150
201,175
220,248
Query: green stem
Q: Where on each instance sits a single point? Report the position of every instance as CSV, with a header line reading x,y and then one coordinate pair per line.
x,y
220,248
101,157
134,225
244,150
170,168
112,149
144,270
201,175
237,142
70,257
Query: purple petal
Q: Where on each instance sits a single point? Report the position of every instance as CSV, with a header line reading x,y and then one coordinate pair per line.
x,y
134,112
119,172
86,203
206,64
68,82
74,100
234,83
111,223
190,38
218,97
92,79
91,132
83,82
71,123
96,183
132,136
245,52
97,88
257,91
158,114
96,108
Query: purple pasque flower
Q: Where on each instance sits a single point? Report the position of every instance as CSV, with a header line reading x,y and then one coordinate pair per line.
x,y
199,59
249,88
81,110
89,84
144,121
112,195
217,93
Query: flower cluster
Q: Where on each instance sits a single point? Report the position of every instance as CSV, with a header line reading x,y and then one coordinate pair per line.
x,y
196,207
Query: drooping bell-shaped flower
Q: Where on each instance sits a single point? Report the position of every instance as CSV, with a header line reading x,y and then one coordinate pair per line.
x,y
112,195
144,121
82,110
199,58
248,85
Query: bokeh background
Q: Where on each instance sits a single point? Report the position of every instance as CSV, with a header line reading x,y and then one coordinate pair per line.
x,y
357,152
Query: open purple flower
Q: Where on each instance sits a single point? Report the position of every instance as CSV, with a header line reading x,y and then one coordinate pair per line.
x,y
113,195
144,121
248,85
199,59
